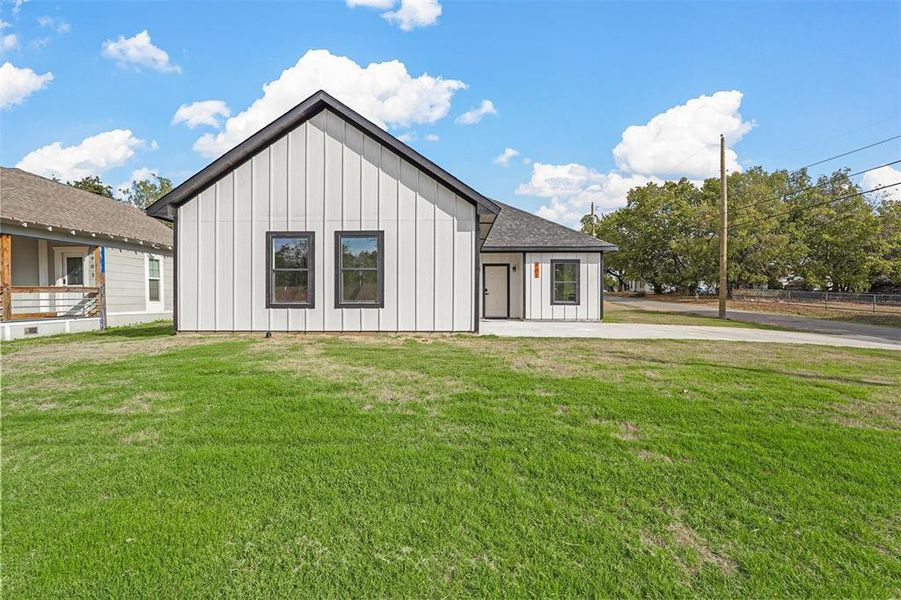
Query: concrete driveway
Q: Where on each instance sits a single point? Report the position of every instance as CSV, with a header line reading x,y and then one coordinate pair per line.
x,y
856,331
634,331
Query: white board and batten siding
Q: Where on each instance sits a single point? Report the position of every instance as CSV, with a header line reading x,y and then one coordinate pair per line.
x,y
126,279
538,290
326,176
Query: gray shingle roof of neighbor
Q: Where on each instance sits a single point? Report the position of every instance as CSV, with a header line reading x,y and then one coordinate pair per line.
x,y
285,123
516,230
34,200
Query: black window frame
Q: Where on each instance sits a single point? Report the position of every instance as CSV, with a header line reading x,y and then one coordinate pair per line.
x,y
311,269
380,268
578,282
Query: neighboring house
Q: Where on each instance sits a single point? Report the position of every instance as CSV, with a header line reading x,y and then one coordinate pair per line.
x,y
71,260
322,221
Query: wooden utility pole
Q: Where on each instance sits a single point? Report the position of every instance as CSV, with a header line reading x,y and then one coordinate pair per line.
x,y
592,219
724,227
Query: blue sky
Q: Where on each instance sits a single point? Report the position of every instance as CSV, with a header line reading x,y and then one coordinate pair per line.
x,y
797,82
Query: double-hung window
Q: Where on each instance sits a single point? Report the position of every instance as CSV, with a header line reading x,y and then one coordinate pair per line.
x,y
289,268
565,281
359,269
153,279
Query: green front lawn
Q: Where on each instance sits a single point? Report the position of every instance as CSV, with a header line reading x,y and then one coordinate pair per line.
x,y
136,463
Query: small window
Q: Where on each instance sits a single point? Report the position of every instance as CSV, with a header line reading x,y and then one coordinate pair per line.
x,y
360,268
290,269
153,279
74,270
565,282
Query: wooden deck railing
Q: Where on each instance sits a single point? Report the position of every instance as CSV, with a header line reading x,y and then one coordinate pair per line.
x,y
49,302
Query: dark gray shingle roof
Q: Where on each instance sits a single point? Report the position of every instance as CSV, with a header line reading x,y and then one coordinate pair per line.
x,y
29,198
518,230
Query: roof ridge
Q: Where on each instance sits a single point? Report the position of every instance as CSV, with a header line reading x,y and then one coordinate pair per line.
x,y
569,231
301,113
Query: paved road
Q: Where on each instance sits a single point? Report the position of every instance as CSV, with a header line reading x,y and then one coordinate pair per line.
x,y
854,331
634,331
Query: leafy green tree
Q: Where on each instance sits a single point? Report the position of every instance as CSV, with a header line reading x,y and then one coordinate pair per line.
x,y
147,191
93,184
887,273
840,232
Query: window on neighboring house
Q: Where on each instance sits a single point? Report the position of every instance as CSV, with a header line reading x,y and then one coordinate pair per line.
x,y
564,282
74,270
153,279
290,267
360,268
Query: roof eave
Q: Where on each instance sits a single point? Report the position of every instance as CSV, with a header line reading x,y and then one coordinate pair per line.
x,y
281,126
597,249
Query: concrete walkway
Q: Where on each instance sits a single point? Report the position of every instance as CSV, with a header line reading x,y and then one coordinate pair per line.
x,y
855,331
635,331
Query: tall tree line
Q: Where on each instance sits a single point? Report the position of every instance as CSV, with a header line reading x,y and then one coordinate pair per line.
x,y
786,230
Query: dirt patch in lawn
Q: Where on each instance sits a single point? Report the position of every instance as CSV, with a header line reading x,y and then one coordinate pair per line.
x,y
683,536
144,436
308,358
51,357
628,432
654,456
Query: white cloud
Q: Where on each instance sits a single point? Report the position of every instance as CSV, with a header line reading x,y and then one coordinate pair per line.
x,y
382,92
431,137
17,6
684,140
380,4
527,161
503,159
9,42
414,13
881,177
3,24
139,51
92,156
407,137
17,84
410,15
474,115
57,25
571,188
205,112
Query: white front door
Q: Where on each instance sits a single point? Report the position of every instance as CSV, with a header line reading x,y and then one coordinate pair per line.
x,y
497,291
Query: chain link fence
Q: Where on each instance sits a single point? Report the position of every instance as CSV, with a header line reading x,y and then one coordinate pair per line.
x,y
849,301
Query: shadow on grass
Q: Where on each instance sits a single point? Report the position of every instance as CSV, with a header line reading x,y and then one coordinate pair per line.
x,y
147,330
755,370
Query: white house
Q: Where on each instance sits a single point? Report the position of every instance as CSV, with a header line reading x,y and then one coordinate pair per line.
x,y
322,221
71,260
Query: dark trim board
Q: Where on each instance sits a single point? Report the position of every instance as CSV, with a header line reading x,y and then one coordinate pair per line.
x,y
566,261
311,270
582,249
174,272
290,120
485,279
380,277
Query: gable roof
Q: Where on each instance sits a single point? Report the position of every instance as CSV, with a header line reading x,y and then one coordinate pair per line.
x,y
32,199
285,123
516,230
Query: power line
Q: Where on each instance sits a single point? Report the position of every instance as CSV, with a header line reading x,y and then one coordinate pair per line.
x,y
825,160
817,204
813,187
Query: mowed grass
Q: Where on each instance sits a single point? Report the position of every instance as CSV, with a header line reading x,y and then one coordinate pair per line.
x,y
618,313
136,463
